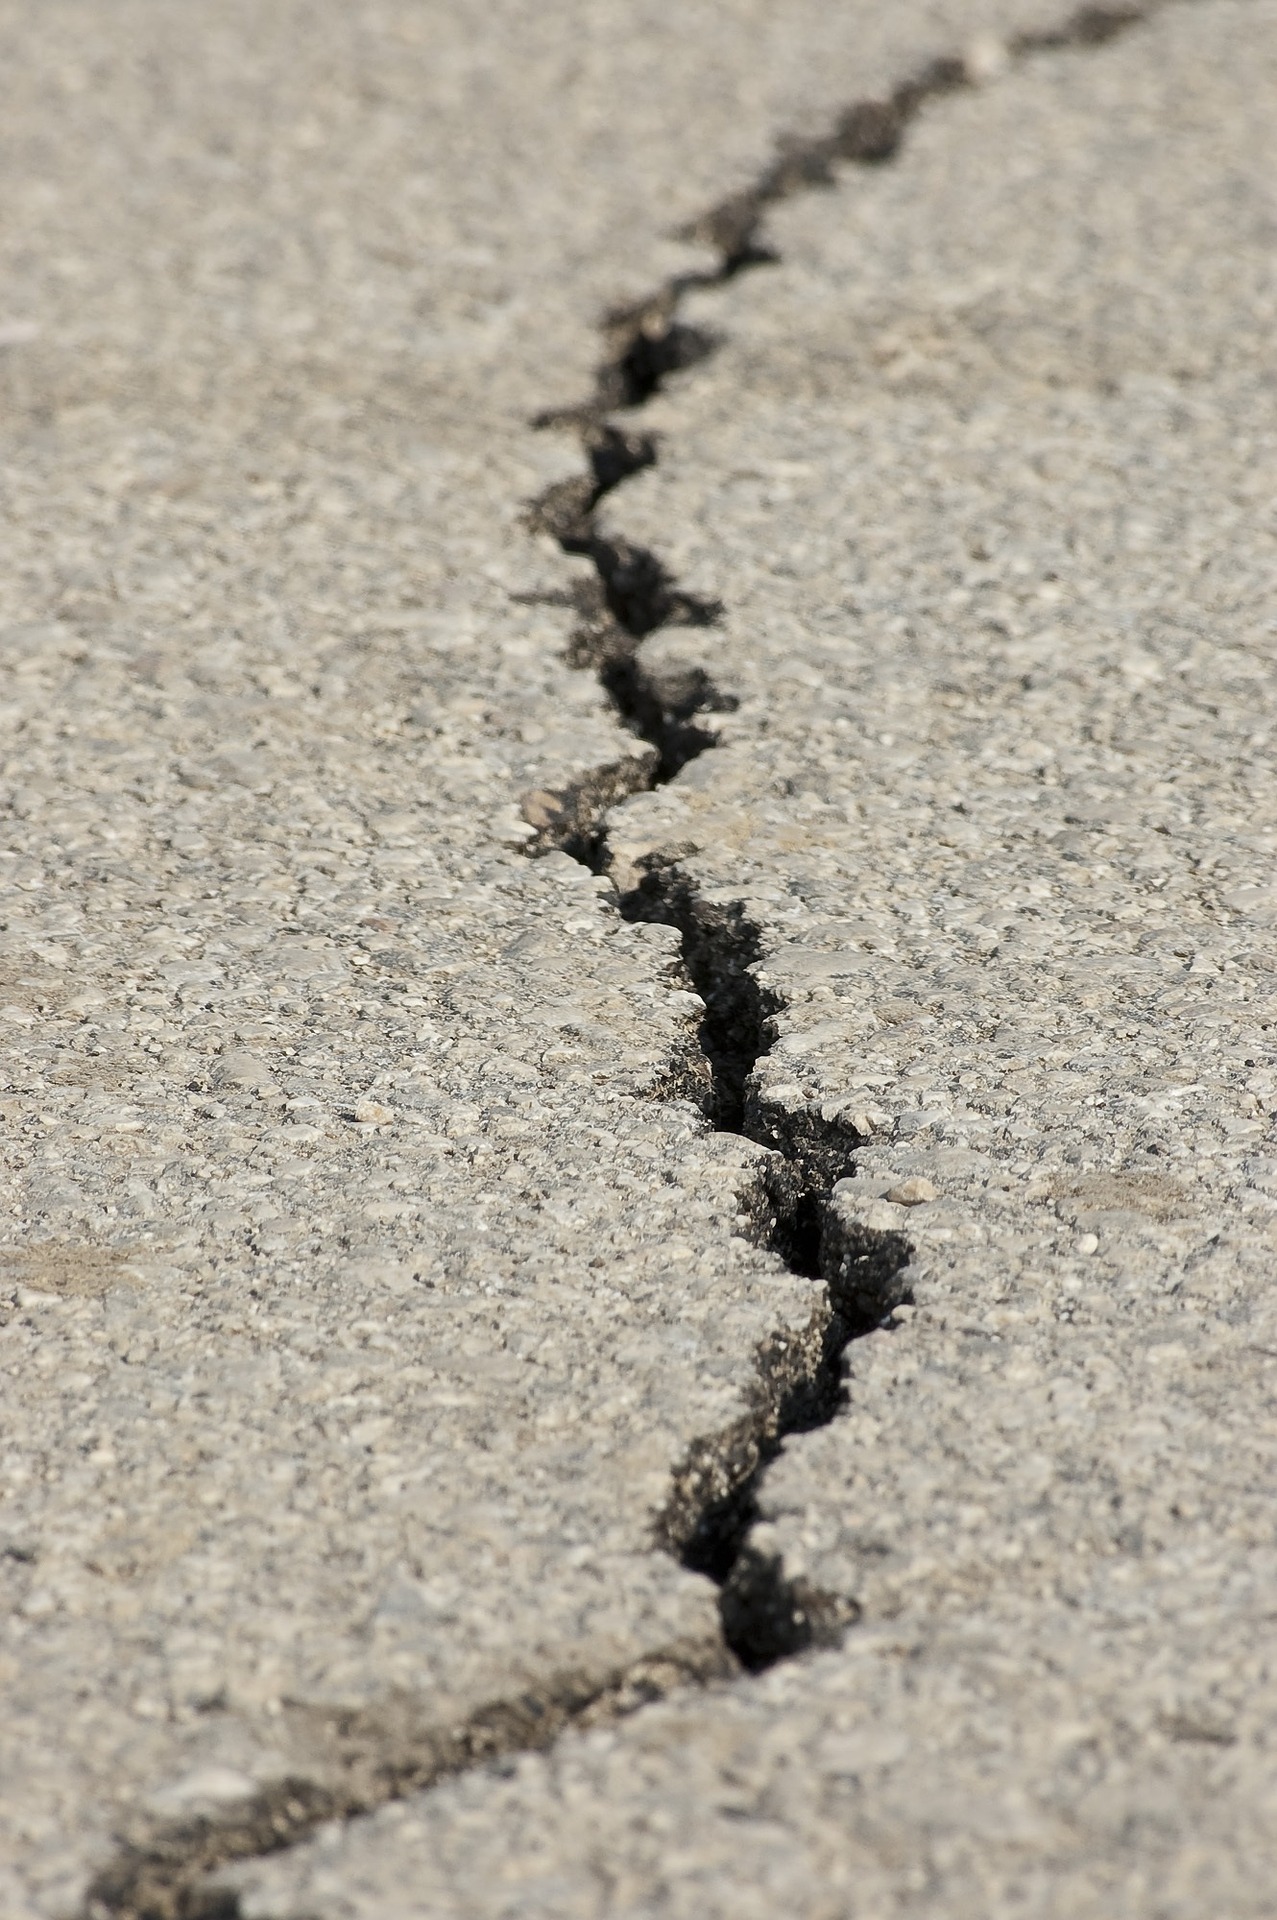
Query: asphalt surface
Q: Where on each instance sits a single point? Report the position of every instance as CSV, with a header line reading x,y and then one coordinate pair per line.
x,y
420,1239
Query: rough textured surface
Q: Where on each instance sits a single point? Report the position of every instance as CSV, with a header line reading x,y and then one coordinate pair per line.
x,y
983,477
369,1272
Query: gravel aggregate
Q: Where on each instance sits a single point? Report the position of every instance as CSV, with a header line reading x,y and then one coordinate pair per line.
x,y
982,475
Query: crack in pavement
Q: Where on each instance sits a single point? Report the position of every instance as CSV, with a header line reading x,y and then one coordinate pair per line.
x,y
860,1275
788,1208
632,594
766,1616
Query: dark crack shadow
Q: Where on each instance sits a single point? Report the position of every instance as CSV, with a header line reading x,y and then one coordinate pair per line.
x,y
631,593
766,1616
363,1760
789,1209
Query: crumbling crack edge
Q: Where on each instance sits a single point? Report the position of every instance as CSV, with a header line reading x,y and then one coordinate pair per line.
x,y
632,595
789,1207
164,1873
365,1760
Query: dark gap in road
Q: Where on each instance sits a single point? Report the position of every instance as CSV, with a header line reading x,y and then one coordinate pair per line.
x,y
766,1616
707,1523
630,595
788,1207
720,948
650,345
647,340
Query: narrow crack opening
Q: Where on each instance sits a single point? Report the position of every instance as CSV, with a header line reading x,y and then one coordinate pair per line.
x,y
630,595
720,948
766,1615
650,345
711,1521
789,1208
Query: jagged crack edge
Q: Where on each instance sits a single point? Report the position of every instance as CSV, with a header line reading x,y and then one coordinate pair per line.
x,y
366,1758
766,1615
788,1208
632,593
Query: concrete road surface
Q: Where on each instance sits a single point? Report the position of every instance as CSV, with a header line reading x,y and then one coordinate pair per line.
x,y
636,959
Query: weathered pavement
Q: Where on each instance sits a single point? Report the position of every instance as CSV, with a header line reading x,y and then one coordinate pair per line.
x,y
375,1277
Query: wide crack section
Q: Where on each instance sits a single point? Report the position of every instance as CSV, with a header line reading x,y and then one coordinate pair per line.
x,y
630,595
789,1209
363,1760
